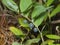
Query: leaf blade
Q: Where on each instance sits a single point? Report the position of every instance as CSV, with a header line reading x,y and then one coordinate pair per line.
x,y
53,36
40,20
16,43
22,23
24,4
16,31
10,4
55,11
49,2
29,42
38,10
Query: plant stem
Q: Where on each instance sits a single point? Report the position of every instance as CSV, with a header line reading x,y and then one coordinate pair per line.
x,y
49,21
43,28
36,27
41,35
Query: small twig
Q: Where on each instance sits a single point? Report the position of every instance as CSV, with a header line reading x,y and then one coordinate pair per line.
x,y
57,29
2,20
41,35
43,28
55,22
40,1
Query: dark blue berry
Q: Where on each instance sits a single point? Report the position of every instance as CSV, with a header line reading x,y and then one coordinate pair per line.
x,y
25,21
31,25
35,29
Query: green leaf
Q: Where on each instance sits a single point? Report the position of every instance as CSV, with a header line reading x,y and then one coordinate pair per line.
x,y
53,36
56,44
16,43
23,23
25,4
49,2
16,31
30,41
55,11
39,20
10,4
43,34
48,42
38,9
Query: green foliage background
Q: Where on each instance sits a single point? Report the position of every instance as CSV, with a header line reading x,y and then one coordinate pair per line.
x,y
32,11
